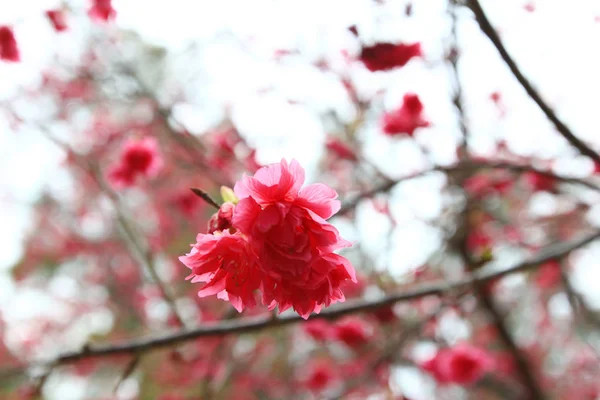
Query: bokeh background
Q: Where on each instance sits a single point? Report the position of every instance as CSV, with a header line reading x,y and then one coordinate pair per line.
x,y
275,72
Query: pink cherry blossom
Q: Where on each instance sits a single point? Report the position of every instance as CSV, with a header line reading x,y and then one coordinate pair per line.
x,y
321,375
227,265
318,329
352,331
9,50
462,364
222,219
138,158
548,275
540,182
387,56
283,228
340,149
102,10
406,119
57,19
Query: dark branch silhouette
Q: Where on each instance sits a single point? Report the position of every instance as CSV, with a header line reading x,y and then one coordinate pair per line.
x,y
564,130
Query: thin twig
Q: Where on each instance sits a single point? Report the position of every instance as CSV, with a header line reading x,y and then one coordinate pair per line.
x,y
131,366
457,97
39,387
564,130
576,300
204,196
580,310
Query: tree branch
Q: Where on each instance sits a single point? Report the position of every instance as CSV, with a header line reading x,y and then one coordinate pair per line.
x,y
488,30
458,95
267,322
470,165
535,392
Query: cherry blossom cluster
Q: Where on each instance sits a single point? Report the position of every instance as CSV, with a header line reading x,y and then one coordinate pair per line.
x,y
275,240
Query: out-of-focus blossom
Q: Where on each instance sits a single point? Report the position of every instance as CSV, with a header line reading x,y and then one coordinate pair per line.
x,y
387,56
58,19
548,275
321,375
340,149
9,51
352,331
318,329
462,364
406,119
540,182
138,158
102,10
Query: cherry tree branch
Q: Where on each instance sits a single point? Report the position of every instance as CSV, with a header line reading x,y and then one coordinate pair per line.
x,y
458,95
564,130
464,226
470,165
535,391
249,325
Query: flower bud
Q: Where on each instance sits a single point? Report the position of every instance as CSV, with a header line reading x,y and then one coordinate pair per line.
x,y
221,220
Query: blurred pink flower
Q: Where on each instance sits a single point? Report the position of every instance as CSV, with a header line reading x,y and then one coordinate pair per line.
x,y
406,119
9,50
102,10
548,275
138,158
340,149
57,19
321,375
462,364
352,331
387,56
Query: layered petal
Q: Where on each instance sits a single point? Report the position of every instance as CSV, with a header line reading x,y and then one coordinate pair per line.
x,y
320,199
272,183
227,265
319,287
